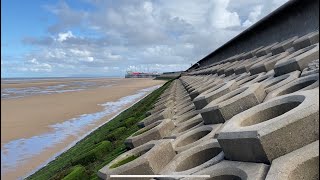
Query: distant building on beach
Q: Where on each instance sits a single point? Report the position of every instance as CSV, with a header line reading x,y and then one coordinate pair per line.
x,y
131,74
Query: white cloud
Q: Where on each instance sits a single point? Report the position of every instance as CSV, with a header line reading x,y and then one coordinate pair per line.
x,y
64,36
141,35
253,16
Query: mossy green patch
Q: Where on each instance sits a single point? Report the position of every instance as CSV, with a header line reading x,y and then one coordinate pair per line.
x,y
124,161
141,132
78,173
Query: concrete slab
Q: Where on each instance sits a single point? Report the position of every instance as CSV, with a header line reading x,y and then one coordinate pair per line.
x,y
194,137
276,82
233,170
297,60
267,64
299,84
195,159
154,131
302,163
306,40
266,50
272,129
148,162
239,100
283,46
214,93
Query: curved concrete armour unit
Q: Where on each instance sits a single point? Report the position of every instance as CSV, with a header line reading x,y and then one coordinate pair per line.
x,y
187,125
148,160
272,129
195,159
225,107
154,131
302,163
195,137
298,60
206,98
232,170
276,82
299,84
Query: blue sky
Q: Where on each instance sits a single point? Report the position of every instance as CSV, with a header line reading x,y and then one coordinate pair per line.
x,y
107,38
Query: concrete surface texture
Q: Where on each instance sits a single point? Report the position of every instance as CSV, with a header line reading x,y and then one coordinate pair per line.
x,y
239,115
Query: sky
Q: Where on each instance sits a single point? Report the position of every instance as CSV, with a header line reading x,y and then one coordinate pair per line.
x,y
68,38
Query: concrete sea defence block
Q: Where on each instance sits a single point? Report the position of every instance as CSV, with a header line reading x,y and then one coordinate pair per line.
x,y
283,46
267,64
191,107
272,129
251,53
222,70
231,70
187,125
233,170
312,68
297,60
218,91
266,50
302,163
306,40
154,131
195,159
166,114
299,84
205,87
147,162
195,137
252,79
178,119
246,66
234,102
276,82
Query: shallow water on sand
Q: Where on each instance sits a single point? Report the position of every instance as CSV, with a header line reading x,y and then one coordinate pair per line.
x,y
8,93
23,150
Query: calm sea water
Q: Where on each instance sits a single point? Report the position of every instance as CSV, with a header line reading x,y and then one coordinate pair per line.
x,y
66,85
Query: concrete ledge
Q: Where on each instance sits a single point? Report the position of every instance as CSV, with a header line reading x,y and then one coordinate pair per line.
x,y
266,50
283,46
225,107
218,91
254,79
267,64
154,131
165,114
276,82
306,40
297,61
181,118
189,124
195,137
302,163
233,170
272,129
148,162
299,84
195,159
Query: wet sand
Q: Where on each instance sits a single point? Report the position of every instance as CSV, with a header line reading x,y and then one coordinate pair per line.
x,y
31,116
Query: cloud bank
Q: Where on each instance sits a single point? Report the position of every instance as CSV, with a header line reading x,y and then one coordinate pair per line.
x,y
140,35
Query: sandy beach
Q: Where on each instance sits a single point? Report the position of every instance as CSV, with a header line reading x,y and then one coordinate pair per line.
x,y
33,115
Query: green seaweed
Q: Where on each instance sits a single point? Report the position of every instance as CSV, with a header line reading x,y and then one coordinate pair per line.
x,y
124,161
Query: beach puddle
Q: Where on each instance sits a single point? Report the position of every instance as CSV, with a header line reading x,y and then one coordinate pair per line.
x,y
21,151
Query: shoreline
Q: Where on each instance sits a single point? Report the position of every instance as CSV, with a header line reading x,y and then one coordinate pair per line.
x,y
85,135
91,119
